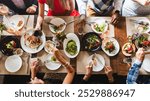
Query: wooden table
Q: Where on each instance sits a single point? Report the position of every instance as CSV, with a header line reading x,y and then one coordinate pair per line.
x,y
115,62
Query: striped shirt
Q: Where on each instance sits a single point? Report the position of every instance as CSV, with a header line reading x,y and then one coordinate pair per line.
x,y
101,6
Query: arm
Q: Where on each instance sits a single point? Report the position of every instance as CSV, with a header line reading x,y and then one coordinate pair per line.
x,y
143,2
116,12
82,4
72,4
70,70
70,75
134,70
109,72
118,5
40,16
133,73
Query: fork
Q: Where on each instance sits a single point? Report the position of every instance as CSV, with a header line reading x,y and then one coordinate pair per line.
x,y
27,22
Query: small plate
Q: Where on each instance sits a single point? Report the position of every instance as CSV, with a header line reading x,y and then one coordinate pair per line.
x,y
140,28
146,63
13,63
133,47
51,65
17,21
100,62
47,47
57,22
115,42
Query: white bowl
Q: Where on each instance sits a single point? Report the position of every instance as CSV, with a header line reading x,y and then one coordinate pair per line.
x,y
71,36
99,22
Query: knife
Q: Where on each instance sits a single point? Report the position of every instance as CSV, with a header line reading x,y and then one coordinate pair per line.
x,y
99,60
27,22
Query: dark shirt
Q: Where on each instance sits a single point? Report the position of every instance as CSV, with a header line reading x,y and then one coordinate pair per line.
x,y
13,7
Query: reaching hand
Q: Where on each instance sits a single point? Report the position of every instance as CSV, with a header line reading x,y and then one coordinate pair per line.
x,y
88,72
108,70
34,67
140,54
31,9
37,81
115,17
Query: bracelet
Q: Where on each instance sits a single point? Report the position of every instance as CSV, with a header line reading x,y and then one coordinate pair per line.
x,y
34,5
32,79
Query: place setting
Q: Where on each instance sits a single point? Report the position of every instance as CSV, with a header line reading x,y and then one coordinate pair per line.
x,y
13,59
16,25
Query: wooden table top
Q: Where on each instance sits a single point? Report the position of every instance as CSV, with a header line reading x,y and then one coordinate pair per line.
x,y
115,62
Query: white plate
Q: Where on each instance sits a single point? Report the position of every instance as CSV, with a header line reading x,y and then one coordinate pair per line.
x,y
57,22
71,36
141,30
28,49
13,63
117,47
100,62
51,65
99,22
146,63
49,51
14,20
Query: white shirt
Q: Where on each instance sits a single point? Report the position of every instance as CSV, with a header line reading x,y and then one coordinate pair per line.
x,y
132,8
19,3
82,6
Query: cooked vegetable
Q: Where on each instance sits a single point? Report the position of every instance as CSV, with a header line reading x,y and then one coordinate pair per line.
x,y
2,27
71,47
143,41
11,45
99,27
53,59
110,46
128,48
93,42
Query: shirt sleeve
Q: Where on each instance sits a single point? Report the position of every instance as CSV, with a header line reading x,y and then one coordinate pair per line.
x,y
82,6
42,1
118,4
133,72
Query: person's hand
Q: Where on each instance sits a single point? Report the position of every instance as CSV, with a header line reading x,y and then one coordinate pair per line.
x,y
88,72
37,81
140,54
108,70
82,18
115,17
34,66
31,9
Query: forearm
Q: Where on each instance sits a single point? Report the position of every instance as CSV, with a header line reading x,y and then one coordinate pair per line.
x,y
142,2
69,78
72,5
82,4
118,5
133,72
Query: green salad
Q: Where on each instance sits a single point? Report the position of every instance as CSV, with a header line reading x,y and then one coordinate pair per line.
x,y
71,47
53,59
99,27
2,27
